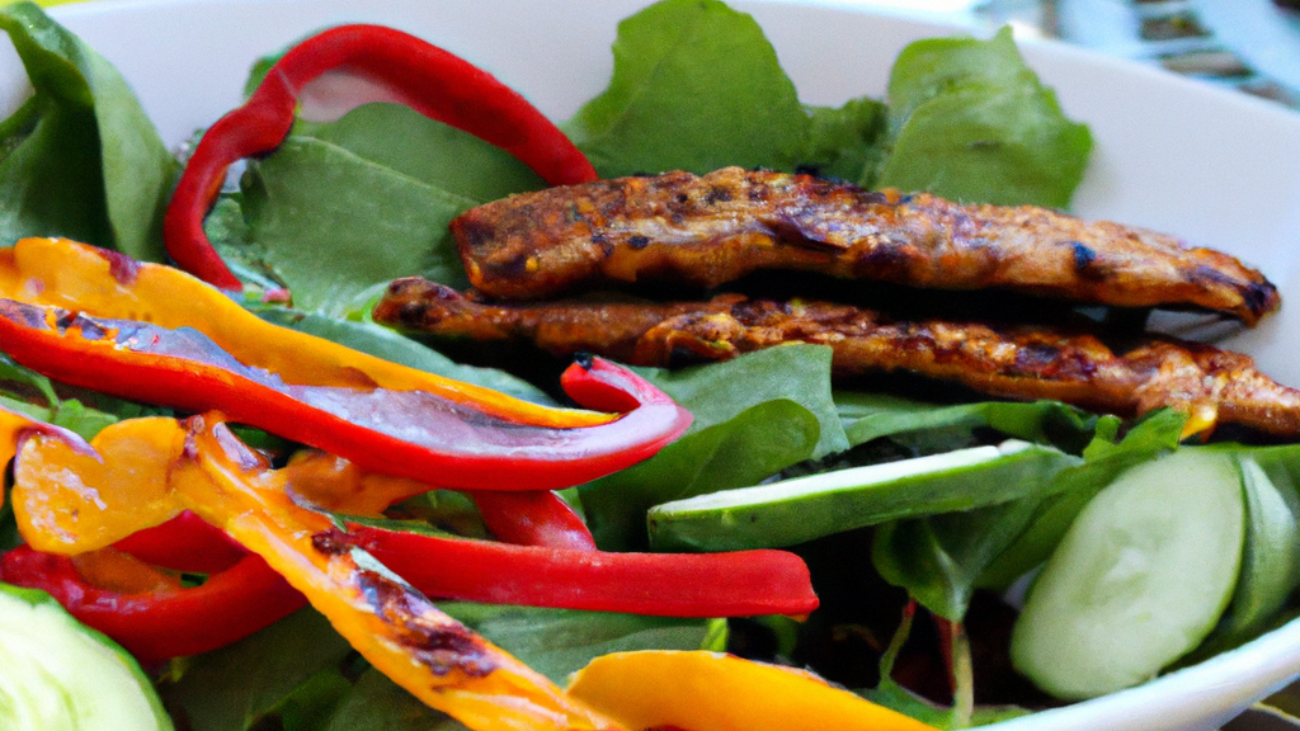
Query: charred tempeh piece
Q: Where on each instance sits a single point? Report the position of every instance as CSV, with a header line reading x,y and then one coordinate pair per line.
x,y
711,229
1021,362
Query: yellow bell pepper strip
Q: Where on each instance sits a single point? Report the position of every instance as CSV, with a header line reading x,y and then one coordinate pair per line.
x,y
228,485
535,518
14,425
154,334
424,77
708,691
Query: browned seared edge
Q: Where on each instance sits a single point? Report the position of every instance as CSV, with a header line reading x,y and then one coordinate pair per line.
x,y
1018,362
711,229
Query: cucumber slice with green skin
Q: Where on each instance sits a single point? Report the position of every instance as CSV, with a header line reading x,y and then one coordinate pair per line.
x,y
1140,578
56,674
800,509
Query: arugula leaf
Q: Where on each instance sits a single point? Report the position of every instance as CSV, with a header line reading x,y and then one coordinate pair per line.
x,y
696,87
970,121
80,158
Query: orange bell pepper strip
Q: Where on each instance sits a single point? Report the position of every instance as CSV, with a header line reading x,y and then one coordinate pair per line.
x,y
151,333
534,518
709,691
217,477
13,426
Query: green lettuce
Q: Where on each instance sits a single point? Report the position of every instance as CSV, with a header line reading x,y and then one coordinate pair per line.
x,y
80,158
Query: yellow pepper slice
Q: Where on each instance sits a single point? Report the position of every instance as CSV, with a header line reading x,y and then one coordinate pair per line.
x,y
202,466
711,691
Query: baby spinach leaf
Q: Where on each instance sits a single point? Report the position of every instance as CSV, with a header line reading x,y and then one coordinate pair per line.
x,y
1105,459
80,158
846,142
332,223
557,642
754,416
939,558
869,416
696,87
245,683
717,392
970,121
740,451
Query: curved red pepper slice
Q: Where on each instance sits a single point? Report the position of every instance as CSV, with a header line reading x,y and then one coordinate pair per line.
x,y
184,543
426,78
742,583
156,626
537,518
406,433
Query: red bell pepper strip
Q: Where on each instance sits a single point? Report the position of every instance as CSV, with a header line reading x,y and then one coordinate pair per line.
x,y
184,543
426,78
537,518
742,583
155,626
411,433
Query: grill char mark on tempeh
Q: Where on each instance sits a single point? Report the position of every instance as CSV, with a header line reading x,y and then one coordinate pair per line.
x,y
708,230
1021,362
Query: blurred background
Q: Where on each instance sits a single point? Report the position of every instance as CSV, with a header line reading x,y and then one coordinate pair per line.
x,y
1250,45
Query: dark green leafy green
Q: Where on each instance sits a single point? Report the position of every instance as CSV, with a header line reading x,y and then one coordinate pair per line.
x,y
738,452
939,558
754,416
80,158
376,703
243,684
1270,562
869,416
332,223
1105,458
846,142
696,87
557,642
969,121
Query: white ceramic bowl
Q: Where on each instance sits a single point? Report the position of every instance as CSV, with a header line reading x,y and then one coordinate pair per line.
x,y
1215,167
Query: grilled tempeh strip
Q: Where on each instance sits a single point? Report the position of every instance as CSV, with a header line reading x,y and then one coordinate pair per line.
x,y
711,229
1022,362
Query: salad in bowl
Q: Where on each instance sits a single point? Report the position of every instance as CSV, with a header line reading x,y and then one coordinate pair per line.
x,y
760,380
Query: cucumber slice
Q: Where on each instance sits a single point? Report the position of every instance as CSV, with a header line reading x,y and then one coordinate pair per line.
x,y
1139,580
803,508
55,673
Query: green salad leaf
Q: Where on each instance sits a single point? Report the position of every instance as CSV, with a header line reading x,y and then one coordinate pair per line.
x,y
80,158
754,416
969,121
696,87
